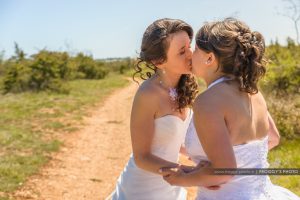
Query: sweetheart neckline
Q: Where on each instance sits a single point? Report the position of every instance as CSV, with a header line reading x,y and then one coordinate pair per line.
x,y
175,116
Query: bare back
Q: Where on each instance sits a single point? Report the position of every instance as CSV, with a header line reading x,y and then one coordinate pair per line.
x,y
245,115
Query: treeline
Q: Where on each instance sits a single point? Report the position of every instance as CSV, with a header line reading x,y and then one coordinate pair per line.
x,y
50,70
283,69
281,86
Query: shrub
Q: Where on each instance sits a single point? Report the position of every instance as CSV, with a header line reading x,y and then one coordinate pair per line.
x,y
89,69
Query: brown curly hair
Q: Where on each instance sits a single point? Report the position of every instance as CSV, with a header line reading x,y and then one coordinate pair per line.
x,y
154,47
240,52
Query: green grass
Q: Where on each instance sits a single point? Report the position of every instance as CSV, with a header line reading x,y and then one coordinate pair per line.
x,y
15,168
30,121
286,155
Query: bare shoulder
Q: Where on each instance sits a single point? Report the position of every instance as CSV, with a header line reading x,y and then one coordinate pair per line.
x,y
146,95
261,98
147,90
212,99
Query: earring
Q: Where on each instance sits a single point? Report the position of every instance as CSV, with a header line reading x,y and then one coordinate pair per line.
x,y
163,71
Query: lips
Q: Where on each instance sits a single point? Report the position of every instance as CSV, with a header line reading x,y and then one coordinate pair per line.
x,y
190,65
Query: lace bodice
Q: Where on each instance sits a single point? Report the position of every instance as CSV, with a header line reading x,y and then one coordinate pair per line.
x,y
240,187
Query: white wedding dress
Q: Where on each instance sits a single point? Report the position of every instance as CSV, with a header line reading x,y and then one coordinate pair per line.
x,y
240,187
137,184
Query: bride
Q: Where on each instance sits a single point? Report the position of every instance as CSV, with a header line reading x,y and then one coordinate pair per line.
x,y
160,113
231,121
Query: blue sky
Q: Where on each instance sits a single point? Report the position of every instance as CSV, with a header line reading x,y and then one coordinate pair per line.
x,y
114,28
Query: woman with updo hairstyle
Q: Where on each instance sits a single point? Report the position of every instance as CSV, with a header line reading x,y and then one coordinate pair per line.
x,y
231,127
161,112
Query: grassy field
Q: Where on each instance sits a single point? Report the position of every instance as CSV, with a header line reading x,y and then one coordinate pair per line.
x,y
286,155
30,124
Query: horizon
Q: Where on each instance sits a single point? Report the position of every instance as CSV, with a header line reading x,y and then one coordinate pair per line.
x,y
114,29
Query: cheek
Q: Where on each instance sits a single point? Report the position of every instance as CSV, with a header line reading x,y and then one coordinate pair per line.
x,y
196,65
196,60
179,61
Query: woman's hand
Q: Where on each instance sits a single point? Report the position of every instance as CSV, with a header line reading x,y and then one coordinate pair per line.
x,y
187,169
274,136
174,176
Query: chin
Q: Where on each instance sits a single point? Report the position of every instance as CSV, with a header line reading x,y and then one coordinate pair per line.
x,y
193,72
196,74
188,72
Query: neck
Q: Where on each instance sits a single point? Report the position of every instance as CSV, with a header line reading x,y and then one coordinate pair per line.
x,y
169,80
211,79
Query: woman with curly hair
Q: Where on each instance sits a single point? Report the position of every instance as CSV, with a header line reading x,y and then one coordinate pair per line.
x,y
160,113
231,126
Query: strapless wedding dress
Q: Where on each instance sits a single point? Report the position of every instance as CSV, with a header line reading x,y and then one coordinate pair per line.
x,y
137,184
240,187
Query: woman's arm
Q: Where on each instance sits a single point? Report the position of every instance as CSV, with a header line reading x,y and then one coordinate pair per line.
x,y
274,136
214,136
142,132
183,150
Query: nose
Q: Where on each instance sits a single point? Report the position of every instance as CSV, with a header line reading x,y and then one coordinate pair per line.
x,y
189,53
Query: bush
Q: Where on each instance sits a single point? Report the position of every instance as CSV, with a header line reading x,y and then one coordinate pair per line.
x,y
48,70
281,87
1,62
45,71
283,76
87,68
16,77
119,65
286,114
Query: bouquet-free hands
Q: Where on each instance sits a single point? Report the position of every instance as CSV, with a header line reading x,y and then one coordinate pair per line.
x,y
176,175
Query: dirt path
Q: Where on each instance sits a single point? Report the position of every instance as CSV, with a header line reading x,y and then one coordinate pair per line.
x,y
91,159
